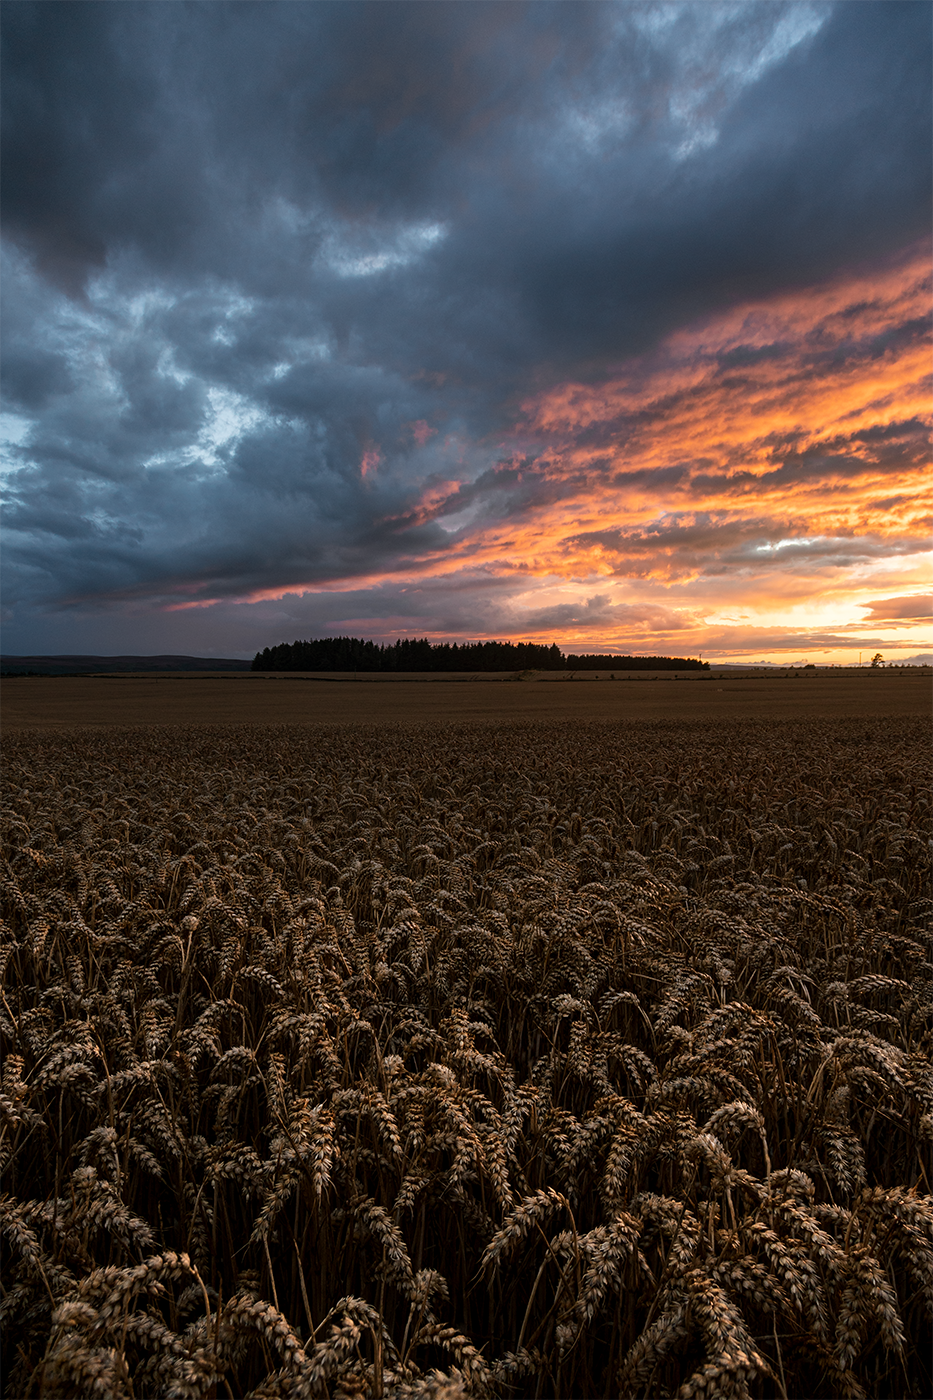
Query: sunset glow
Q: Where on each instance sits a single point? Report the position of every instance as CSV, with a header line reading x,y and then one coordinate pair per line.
x,y
737,472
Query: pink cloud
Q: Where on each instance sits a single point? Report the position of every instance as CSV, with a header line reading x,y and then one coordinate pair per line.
x,y
421,431
370,461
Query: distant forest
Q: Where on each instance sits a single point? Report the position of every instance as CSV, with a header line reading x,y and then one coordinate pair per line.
x,y
353,654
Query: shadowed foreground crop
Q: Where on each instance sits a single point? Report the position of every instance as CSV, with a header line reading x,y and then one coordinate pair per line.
x,y
531,1059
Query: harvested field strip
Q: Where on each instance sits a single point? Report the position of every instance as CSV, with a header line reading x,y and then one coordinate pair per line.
x,y
518,1060
285,698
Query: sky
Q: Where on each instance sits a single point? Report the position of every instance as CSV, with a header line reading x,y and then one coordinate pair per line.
x,y
599,324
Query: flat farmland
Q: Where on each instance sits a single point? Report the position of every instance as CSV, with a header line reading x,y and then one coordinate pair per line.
x,y
531,1057
33,702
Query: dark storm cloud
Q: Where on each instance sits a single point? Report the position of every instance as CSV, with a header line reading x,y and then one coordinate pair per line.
x,y
787,193
173,130
278,275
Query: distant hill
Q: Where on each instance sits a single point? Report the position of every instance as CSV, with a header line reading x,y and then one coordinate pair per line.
x,y
85,665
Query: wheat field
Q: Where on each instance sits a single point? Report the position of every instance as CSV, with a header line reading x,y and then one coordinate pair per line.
x,y
529,1059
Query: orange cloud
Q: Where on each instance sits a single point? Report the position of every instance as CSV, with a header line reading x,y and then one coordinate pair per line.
x,y
907,609
807,415
800,370
763,473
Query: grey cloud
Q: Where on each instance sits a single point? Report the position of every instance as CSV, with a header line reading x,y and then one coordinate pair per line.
x,y
769,203
598,613
728,641
190,125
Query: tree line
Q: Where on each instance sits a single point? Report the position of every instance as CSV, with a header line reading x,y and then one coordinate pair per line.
x,y
412,654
